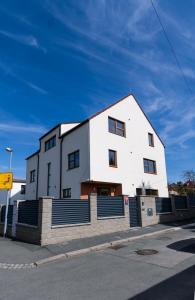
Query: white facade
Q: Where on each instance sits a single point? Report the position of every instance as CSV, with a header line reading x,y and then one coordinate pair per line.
x,y
16,192
93,140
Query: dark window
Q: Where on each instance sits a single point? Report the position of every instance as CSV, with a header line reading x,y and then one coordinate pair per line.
x,y
67,193
73,160
139,191
148,192
151,139
101,191
50,143
116,126
149,166
32,176
151,192
112,158
48,178
23,189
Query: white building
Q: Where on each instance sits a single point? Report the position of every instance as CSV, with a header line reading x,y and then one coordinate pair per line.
x,y
17,192
116,151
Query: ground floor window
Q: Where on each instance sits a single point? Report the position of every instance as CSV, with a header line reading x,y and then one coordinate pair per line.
x,y
67,193
147,192
103,191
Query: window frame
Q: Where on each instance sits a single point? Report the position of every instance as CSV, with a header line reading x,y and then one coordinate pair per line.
x,y
116,128
148,166
32,176
69,193
151,139
23,189
48,178
73,161
115,158
50,143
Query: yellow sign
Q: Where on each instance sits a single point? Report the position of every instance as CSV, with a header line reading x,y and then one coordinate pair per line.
x,y
6,181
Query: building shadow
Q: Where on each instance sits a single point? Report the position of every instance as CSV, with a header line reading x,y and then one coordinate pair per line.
x,y
187,246
178,287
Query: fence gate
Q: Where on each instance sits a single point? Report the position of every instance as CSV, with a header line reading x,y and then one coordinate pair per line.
x,y
134,212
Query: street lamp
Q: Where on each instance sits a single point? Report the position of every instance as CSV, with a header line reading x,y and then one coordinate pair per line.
x,y
10,150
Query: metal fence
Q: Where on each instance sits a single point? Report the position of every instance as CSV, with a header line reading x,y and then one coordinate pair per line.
x,y
191,199
110,206
163,205
70,211
180,202
9,216
28,212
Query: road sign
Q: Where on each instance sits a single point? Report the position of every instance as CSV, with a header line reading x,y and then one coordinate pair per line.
x,y
6,181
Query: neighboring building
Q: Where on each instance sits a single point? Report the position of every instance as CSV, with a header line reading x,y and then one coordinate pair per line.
x,y
116,151
17,192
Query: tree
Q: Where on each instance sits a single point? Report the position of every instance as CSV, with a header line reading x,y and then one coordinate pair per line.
x,y
189,175
180,188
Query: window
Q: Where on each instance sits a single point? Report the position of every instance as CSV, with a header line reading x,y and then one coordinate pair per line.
x,y
23,189
116,126
147,192
73,160
151,139
48,178
67,193
32,176
101,191
112,158
151,192
149,166
50,143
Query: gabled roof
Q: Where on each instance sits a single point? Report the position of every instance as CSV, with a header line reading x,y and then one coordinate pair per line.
x,y
101,111
93,116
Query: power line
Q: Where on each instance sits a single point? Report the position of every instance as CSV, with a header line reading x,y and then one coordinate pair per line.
x,y
172,49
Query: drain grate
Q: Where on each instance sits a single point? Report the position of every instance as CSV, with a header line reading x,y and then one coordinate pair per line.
x,y
146,252
117,247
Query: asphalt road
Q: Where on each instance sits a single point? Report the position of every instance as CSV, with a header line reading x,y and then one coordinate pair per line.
x,y
113,273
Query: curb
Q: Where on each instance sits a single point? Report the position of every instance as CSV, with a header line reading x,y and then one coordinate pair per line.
x,y
99,247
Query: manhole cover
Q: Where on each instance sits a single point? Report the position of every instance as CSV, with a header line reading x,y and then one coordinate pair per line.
x,y
117,247
146,252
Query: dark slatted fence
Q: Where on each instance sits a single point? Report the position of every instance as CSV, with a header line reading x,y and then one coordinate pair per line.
x,y
9,216
180,202
28,212
191,198
110,206
70,211
163,205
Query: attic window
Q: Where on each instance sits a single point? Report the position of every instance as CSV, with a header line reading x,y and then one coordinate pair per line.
x,y
116,126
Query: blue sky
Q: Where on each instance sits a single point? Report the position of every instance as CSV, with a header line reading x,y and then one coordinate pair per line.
x,y
64,60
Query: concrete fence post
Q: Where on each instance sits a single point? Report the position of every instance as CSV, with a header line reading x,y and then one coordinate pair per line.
x,y
93,208
45,219
126,207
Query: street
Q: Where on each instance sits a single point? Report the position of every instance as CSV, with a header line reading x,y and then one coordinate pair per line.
x,y
118,273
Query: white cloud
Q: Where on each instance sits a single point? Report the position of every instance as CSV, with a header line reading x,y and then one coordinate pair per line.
x,y
21,128
9,71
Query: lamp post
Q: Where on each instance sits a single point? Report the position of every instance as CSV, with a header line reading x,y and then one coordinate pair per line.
x,y
10,150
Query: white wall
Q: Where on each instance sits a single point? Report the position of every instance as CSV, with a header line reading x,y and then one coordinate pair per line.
x,y
130,150
31,164
76,140
15,193
52,156
67,126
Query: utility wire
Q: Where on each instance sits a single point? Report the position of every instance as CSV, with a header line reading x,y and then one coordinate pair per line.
x,y
172,49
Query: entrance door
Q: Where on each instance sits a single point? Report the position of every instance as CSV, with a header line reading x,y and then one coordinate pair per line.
x,y
134,212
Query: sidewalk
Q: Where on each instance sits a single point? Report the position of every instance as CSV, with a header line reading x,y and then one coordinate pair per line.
x,y
15,252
